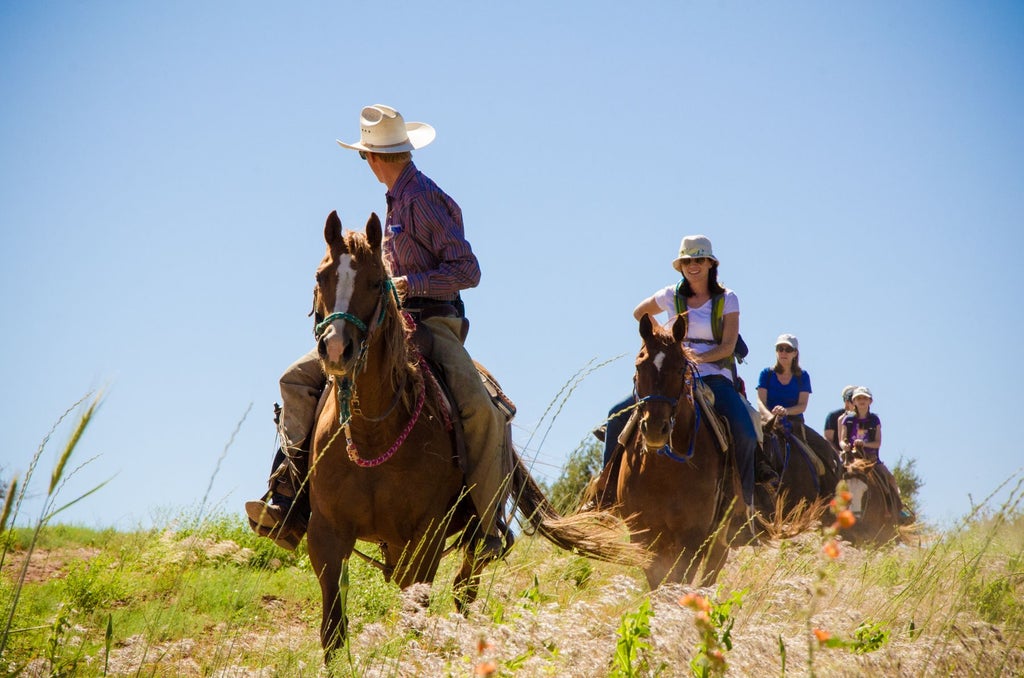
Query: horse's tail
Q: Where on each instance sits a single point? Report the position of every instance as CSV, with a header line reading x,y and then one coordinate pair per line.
x,y
594,534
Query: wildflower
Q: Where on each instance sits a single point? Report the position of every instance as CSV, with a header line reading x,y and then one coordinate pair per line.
x,y
822,635
846,496
486,669
695,601
831,549
716,656
846,519
482,645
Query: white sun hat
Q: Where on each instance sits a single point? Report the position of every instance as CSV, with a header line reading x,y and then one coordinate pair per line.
x,y
691,247
383,130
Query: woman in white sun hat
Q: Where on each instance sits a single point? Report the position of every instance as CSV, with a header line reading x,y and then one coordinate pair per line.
x,y
713,327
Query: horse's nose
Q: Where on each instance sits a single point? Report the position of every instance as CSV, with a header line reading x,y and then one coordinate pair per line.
x,y
660,428
335,347
349,350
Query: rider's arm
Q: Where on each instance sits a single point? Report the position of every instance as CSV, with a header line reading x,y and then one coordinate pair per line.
x,y
762,402
877,442
648,306
801,405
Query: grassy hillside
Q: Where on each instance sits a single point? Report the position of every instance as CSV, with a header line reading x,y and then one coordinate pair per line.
x,y
209,598
204,596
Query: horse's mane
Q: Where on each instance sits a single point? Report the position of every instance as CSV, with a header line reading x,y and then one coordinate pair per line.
x,y
860,466
395,328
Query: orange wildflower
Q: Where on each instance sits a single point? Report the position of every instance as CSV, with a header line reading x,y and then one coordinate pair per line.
x,y
482,645
831,549
485,669
822,635
846,496
846,518
695,601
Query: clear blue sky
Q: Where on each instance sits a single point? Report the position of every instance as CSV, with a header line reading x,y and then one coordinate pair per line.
x,y
165,172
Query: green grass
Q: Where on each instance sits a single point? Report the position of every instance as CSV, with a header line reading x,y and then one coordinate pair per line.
x,y
202,595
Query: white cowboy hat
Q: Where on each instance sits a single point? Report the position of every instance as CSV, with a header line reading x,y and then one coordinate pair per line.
x,y
693,246
382,130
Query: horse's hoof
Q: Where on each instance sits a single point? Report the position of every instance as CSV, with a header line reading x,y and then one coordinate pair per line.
x,y
490,548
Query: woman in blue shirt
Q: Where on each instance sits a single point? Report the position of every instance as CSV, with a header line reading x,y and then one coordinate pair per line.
x,y
784,390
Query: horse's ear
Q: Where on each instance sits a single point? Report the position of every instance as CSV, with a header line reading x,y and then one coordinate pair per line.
x,y
679,327
332,229
646,328
373,232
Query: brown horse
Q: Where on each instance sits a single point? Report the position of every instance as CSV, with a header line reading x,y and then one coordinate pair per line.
x,y
875,503
385,468
807,473
675,484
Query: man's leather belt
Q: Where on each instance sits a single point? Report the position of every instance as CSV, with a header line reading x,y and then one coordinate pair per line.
x,y
425,307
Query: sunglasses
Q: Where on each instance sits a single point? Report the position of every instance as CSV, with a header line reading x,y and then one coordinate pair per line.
x,y
362,155
693,260
785,349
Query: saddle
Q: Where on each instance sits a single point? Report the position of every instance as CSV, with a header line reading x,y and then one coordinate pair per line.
x,y
423,340
720,425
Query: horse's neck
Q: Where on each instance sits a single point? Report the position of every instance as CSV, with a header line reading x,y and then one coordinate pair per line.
x,y
383,381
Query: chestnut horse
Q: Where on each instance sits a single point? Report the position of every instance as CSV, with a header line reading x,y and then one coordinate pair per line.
x,y
675,485
384,464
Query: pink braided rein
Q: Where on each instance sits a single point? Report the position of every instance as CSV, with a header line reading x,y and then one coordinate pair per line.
x,y
353,453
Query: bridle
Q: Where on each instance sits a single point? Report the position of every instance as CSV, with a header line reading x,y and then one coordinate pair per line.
x,y
345,386
689,373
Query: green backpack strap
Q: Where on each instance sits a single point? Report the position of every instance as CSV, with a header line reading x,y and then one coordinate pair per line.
x,y
679,299
717,321
717,326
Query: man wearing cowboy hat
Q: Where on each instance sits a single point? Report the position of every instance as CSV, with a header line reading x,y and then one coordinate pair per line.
x,y
430,262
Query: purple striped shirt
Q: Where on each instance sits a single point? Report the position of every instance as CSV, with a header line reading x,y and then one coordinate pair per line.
x,y
424,239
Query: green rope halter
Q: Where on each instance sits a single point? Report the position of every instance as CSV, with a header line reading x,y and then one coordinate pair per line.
x,y
346,387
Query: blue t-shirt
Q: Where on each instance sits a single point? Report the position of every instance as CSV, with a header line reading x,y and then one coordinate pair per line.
x,y
787,395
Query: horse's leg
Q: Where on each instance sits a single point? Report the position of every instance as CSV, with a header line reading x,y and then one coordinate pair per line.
x,y
467,581
660,567
717,552
327,552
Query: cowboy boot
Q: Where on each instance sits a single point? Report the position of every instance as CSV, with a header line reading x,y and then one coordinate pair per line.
x,y
283,513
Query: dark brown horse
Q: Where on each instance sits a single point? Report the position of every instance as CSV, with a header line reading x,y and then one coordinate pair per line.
x,y
384,468
807,468
675,484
